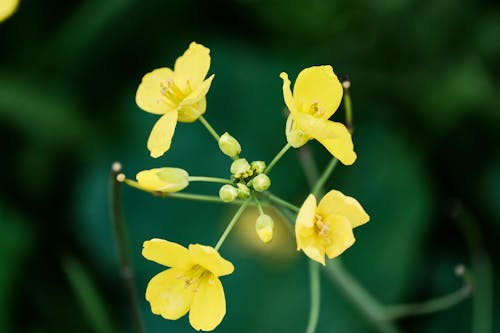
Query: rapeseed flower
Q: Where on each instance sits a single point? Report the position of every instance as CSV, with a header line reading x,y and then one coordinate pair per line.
x,y
317,94
191,284
7,8
177,95
327,228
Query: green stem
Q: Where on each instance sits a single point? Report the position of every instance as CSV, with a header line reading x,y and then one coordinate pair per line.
x,y
368,306
315,296
231,224
308,165
430,306
348,109
318,187
259,206
122,246
281,202
209,128
209,179
278,156
198,197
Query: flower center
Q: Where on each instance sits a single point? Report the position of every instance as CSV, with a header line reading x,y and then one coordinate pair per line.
x,y
322,228
315,110
172,92
193,276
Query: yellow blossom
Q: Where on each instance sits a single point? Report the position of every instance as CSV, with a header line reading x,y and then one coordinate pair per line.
x,y
162,180
177,95
317,94
7,8
191,284
327,228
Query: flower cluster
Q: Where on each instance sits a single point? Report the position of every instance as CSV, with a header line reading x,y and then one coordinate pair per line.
x,y
191,283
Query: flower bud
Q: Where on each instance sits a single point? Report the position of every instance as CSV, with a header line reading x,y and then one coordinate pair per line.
x,y
229,145
228,193
163,179
265,228
243,191
258,166
261,182
239,167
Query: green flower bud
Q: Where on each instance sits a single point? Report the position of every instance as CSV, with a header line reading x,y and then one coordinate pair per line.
x,y
228,193
258,166
243,191
229,145
239,167
261,182
265,228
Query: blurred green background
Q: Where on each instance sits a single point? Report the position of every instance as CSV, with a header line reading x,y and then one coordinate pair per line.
x,y
425,88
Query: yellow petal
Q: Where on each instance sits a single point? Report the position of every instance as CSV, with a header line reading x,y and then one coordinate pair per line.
x,y
313,248
320,85
209,304
304,224
193,65
340,235
7,8
190,113
287,93
332,135
163,179
336,203
149,96
210,259
161,135
294,136
166,253
167,294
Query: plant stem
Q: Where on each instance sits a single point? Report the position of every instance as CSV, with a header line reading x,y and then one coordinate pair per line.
x,y
122,246
348,109
209,128
430,306
308,165
232,223
259,206
320,183
198,197
368,306
209,179
281,202
278,156
315,296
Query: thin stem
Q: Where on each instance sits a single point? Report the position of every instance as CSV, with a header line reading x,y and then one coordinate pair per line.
x,y
281,202
368,306
348,109
430,306
198,197
278,156
318,187
315,296
259,206
308,165
231,224
209,128
122,246
209,179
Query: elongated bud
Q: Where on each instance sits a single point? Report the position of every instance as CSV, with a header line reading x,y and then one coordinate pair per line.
x,y
228,193
261,182
163,179
240,167
265,228
258,166
243,191
229,145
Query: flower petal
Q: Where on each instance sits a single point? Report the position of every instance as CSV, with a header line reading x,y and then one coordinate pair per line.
x,y
193,65
336,203
167,294
340,235
7,7
287,93
294,136
318,84
149,96
305,217
163,179
210,259
313,248
161,135
166,253
332,135
190,113
209,305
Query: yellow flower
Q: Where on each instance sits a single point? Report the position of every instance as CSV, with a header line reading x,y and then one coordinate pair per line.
x,y
317,94
191,284
327,228
177,95
163,180
7,8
